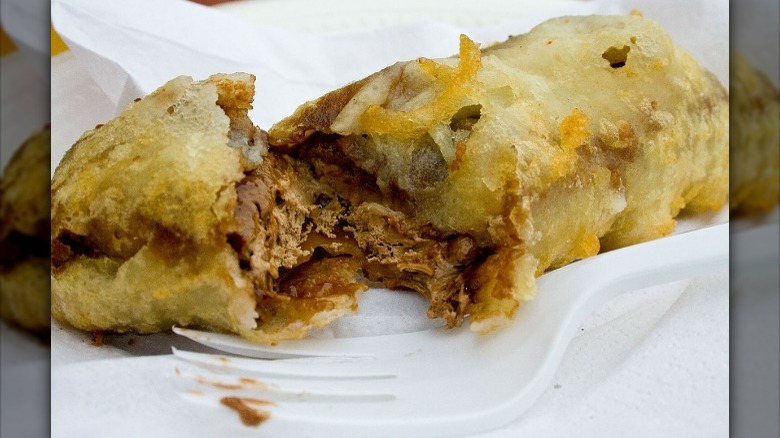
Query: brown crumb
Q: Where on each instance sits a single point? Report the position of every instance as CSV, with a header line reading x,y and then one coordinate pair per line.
x,y
97,339
248,415
131,341
220,385
243,383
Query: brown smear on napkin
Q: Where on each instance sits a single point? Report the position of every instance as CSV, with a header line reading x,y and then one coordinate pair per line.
x,y
248,415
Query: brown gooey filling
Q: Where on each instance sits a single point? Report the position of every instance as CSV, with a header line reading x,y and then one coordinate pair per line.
x,y
306,235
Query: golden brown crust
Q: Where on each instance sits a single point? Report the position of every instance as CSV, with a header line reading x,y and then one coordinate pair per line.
x,y
171,214
135,226
24,226
586,134
313,116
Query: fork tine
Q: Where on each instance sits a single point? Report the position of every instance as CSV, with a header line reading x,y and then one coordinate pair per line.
x,y
361,347
285,390
235,345
325,369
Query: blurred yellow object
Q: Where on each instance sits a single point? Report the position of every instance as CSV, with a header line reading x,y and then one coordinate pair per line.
x,y
57,45
6,45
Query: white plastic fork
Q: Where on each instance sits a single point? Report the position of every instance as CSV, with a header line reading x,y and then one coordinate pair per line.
x,y
442,382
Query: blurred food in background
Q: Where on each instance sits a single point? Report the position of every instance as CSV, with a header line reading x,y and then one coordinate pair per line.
x,y
24,234
755,245
755,138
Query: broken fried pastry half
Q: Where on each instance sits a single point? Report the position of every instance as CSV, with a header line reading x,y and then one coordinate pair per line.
x,y
461,178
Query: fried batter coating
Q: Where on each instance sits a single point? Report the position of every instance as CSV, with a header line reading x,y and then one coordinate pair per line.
x,y
461,178
755,152
586,134
140,208
24,225
150,212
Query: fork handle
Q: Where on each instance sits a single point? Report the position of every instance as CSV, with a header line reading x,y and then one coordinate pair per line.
x,y
590,282
685,255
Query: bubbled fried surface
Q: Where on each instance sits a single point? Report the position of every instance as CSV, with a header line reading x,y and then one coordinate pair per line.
x,y
140,210
585,134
